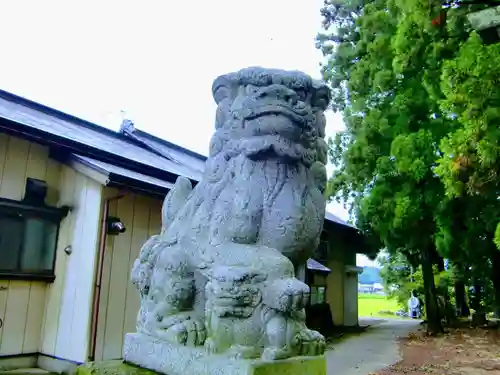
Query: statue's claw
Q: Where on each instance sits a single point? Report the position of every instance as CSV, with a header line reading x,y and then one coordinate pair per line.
x,y
309,342
274,354
210,346
190,332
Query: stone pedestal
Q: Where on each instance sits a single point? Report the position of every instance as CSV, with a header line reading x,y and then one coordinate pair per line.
x,y
161,356
113,367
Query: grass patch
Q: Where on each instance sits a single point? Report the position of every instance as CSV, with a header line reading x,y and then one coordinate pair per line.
x,y
374,305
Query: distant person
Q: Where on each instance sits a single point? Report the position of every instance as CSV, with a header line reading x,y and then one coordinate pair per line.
x,y
413,306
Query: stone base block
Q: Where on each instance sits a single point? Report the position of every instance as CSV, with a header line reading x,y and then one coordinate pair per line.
x,y
163,357
115,367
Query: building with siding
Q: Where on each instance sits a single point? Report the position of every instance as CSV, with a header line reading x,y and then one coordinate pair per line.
x,y
65,293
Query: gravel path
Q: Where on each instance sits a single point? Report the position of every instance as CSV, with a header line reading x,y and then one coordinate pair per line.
x,y
371,351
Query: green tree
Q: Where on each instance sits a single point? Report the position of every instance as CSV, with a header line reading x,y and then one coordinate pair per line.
x,y
464,236
383,57
397,277
470,163
402,279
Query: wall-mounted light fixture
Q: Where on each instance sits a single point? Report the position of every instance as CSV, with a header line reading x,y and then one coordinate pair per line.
x,y
115,226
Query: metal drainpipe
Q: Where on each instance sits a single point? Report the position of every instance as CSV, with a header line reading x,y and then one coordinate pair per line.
x,y
99,271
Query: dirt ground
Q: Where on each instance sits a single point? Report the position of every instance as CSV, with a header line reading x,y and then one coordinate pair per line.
x,y
462,350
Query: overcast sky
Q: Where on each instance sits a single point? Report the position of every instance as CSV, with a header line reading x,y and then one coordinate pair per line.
x,y
154,60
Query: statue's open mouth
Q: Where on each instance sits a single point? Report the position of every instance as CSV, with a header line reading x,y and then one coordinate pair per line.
x,y
277,129
278,110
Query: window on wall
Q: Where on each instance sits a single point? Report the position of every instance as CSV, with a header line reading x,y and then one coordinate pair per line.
x,y
28,237
317,295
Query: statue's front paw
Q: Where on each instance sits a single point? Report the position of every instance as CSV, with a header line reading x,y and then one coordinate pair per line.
x,y
242,352
274,353
309,343
286,295
190,332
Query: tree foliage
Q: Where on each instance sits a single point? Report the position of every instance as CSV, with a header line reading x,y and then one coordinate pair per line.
x,y
470,164
385,157
401,279
419,158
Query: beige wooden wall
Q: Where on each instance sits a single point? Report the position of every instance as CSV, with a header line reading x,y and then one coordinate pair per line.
x,y
68,304
342,255
335,290
22,302
335,279
119,302
52,318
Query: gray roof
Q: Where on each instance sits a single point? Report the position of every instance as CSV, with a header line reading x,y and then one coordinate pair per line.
x,y
314,265
51,122
172,152
112,173
130,153
335,219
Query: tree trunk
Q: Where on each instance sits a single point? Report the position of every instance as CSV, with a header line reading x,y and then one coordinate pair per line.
x,y
495,278
479,316
443,297
477,295
431,307
440,264
461,305
479,319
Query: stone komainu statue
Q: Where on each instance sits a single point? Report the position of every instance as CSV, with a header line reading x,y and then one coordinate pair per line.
x,y
221,274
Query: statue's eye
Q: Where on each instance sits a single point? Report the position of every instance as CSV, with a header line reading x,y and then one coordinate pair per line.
x,y
251,89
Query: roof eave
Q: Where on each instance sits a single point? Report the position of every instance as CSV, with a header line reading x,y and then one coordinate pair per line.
x,y
116,180
34,135
91,171
149,190
113,180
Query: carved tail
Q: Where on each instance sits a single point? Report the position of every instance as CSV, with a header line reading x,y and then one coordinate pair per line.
x,y
174,201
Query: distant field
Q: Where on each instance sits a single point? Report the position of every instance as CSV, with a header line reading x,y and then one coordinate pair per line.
x,y
370,305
